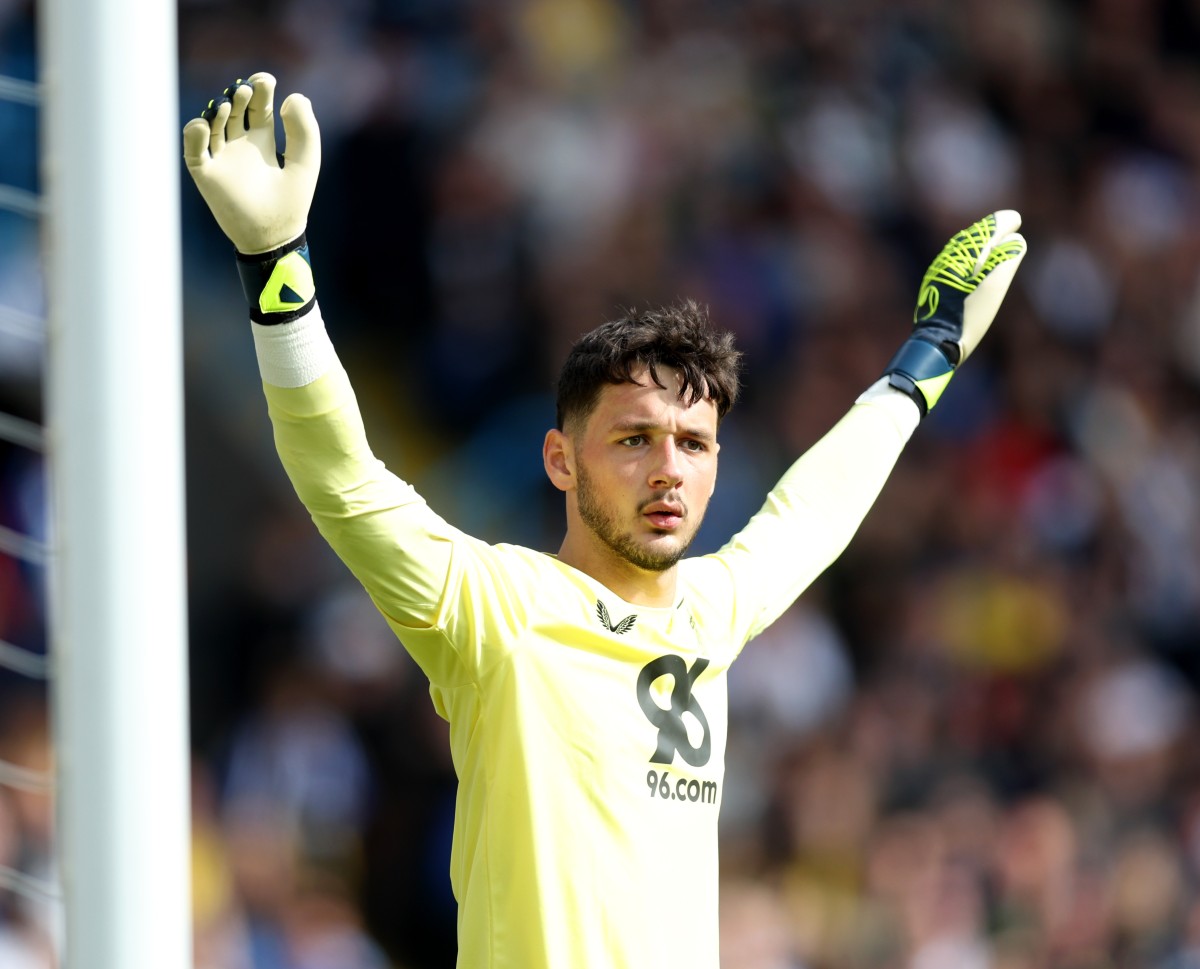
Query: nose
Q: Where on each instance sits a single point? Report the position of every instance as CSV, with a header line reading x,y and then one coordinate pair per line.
x,y
666,471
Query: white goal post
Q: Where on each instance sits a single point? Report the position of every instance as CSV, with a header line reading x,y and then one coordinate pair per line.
x,y
110,181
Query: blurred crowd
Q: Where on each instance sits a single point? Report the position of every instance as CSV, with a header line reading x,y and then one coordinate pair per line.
x,y
968,745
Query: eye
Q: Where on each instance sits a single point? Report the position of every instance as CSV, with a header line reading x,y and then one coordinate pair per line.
x,y
696,447
633,440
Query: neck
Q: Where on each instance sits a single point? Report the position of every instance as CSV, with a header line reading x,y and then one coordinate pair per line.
x,y
633,584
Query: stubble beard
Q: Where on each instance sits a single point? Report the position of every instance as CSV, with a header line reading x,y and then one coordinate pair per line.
x,y
602,523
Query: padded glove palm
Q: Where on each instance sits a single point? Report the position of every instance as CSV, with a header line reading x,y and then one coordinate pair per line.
x,y
260,199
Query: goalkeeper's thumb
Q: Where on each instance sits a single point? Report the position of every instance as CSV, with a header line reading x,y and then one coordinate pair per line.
x,y
301,135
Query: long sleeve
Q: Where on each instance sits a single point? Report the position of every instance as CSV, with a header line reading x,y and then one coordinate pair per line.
x,y
812,513
397,547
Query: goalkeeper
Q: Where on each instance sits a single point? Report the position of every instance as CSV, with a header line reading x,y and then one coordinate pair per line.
x,y
585,690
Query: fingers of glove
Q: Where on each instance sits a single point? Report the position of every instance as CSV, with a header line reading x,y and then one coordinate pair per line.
x,y
261,108
301,132
196,136
1002,263
981,306
1006,222
239,94
216,116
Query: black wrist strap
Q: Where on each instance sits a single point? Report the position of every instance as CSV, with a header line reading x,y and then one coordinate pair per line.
x,y
278,284
920,369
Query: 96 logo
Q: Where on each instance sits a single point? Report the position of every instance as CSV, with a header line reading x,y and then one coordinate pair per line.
x,y
672,729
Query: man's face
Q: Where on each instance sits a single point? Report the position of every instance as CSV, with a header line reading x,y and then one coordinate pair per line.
x,y
646,466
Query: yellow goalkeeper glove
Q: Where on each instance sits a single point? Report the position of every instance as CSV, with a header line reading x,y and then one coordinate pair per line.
x,y
260,198
959,296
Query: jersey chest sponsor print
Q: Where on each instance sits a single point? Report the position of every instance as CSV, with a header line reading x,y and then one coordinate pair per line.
x,y
666,695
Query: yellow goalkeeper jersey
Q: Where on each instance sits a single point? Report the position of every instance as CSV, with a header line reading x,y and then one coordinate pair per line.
x,y
588,733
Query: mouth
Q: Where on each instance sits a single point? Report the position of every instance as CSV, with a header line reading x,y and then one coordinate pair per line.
x,y
664,515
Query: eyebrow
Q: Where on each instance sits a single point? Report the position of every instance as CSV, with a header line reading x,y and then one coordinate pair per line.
x,y
641,427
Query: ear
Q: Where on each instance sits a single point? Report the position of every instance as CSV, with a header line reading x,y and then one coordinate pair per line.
x,y
558,456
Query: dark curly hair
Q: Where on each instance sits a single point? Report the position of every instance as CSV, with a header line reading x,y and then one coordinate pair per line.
x,y
679,336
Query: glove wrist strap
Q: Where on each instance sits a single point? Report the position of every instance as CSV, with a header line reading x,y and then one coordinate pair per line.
x,y
278,284
921,370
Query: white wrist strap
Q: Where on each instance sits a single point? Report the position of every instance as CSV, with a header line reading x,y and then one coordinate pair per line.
x,y
294,354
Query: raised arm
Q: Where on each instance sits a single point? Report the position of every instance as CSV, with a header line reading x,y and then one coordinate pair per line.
x,y
381,528
815,509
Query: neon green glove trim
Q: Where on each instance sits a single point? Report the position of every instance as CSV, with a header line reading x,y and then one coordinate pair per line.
x,y
932,387
958,265
290,285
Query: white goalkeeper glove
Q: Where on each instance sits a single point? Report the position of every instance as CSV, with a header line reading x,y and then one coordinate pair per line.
x,y
959,296
260,198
